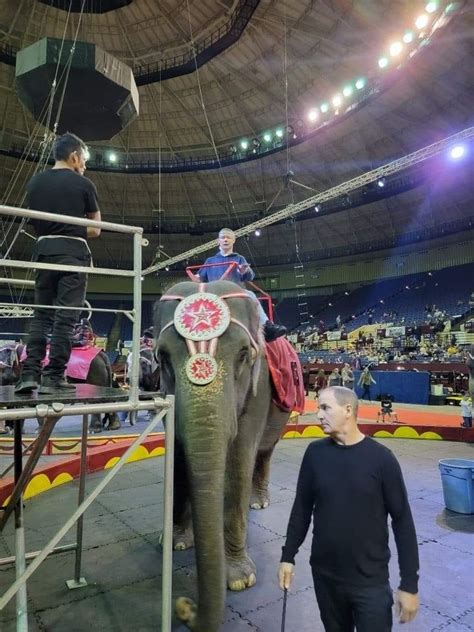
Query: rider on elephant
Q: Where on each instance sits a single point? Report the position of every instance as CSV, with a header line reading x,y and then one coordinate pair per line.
x,y
238,274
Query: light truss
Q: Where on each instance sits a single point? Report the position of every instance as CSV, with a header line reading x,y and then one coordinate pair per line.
x,y
14,311
346,187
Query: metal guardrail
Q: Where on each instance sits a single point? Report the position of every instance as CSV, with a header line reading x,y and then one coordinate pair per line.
x,y
50,414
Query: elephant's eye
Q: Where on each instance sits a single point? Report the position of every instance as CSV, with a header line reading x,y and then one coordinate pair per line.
x,y
243,355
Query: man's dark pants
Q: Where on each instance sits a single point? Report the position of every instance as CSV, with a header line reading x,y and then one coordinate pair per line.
x,y
344,607
54,287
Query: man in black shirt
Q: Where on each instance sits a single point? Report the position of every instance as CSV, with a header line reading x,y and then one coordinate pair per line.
x,y
349,484
63,190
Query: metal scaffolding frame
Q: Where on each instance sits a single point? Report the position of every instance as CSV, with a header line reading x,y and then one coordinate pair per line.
x,y
49,413
341,189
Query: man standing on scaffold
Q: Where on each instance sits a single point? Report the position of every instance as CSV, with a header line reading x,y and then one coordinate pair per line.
x,y
62,190
239,274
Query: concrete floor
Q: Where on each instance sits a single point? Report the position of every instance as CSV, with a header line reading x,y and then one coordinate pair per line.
x,y
122,561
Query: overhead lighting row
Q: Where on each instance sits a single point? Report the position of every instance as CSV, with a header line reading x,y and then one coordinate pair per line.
x,y
401,48
395,51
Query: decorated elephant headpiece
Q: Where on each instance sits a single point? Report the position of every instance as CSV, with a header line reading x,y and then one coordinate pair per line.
x,y
201,319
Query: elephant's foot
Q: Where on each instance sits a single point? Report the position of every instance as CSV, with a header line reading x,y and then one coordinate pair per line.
x,y
183,538
114,423
241,573
259,499
186,611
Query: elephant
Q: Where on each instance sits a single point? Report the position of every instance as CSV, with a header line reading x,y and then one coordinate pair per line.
x,y
226,431
99,374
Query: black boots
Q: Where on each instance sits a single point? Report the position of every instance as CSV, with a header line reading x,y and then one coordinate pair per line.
x,y
272,331
51,385
27,384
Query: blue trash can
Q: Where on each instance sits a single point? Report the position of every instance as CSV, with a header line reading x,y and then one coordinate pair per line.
x,y
457,476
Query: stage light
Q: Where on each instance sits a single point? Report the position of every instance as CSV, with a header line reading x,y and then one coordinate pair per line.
x,y
346,293
258,232
457,152
431,7
244,144
395,49
360,83
167,269
329,304
381,183
324,108
383,62
267,137
337,100
112,157
279,133
421,21
347,91
317,208
313,115
408,37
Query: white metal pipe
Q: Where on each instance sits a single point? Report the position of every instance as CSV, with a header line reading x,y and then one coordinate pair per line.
x,y
36,265
137,309
7,281
28,413
68,219
167,570
21,581
127,312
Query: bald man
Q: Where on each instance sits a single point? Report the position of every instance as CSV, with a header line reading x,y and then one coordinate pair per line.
x,y
349,484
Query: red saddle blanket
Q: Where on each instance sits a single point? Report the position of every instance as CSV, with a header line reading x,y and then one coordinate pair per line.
x,y
287,377
79,362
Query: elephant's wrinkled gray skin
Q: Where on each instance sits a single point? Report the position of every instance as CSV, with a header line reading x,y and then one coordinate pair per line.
x,y
225,435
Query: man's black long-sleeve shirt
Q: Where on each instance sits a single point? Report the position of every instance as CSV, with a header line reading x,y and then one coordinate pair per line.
x,y
350,491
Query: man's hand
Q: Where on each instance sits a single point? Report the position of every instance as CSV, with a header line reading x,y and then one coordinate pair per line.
x,y
196,278
406,605
286,572
244,268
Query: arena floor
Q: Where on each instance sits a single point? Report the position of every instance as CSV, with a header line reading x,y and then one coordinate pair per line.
x,y
122,560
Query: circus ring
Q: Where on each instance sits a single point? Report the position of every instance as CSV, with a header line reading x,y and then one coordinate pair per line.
x,y
122,558
415,423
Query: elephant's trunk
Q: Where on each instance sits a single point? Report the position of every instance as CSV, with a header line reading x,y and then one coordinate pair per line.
x,y
205,445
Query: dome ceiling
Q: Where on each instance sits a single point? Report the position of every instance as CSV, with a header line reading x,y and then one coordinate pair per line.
x,y
289,58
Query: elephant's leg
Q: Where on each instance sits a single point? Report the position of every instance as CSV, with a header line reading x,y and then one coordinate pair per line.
x,y
114,421
183,536
241,570
260,497
96,424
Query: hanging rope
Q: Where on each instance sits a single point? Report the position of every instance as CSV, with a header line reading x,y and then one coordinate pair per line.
x,y
48,138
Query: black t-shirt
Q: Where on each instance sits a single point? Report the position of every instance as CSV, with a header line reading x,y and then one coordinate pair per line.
x,y
350,491
64,192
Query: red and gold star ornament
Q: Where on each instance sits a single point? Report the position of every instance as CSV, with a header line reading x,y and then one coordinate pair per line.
x,y
201,316
201,369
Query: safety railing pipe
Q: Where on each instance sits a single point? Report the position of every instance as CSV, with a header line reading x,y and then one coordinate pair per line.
x,y
36,265
167,572
68,219
48,411
137,308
